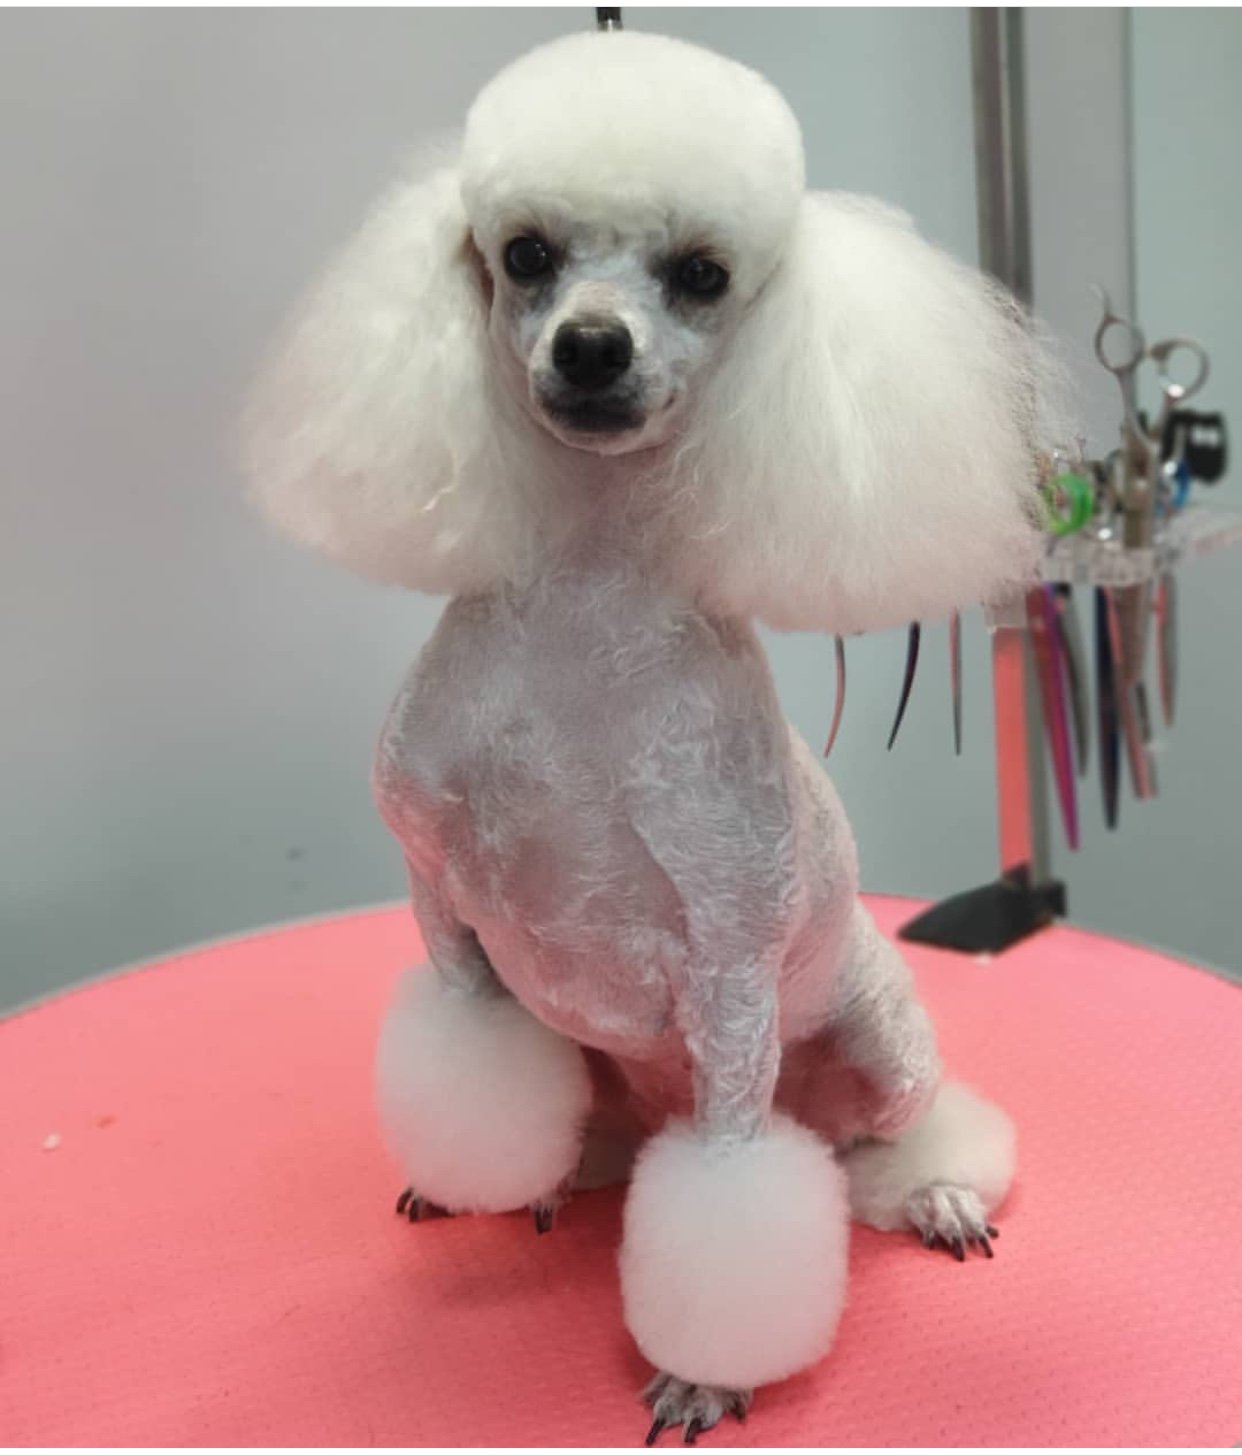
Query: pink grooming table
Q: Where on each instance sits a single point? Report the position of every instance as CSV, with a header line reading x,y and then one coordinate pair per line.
x,y
205,1251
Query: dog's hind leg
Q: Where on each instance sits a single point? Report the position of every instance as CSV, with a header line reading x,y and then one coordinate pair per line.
x,y
944,1176
919,1153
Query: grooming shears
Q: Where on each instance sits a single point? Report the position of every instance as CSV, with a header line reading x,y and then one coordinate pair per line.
x,y
1044,618
1139,485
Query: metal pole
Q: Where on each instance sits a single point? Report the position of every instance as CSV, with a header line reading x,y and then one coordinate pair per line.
x,y
1005,252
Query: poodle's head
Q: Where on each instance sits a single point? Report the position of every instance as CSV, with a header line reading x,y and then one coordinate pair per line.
x,y
618,286
629,197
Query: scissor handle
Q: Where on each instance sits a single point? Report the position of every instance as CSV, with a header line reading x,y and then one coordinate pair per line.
x,y
1162,355
1132,349
1178,480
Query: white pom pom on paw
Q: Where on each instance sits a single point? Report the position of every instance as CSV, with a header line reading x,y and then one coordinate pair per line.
x,y
481,1104
962,1141
733,1262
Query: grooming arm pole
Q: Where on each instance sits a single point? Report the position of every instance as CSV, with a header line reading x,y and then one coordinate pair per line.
x,y
1024,898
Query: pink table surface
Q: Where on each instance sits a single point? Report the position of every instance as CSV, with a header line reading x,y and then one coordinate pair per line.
x,y
209,1255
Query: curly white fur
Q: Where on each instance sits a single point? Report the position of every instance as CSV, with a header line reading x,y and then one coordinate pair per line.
x,y
372,435
482,1106
733,1261
962,1141
738,153
864,454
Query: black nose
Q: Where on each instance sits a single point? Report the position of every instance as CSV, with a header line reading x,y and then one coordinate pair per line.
x,y
592,353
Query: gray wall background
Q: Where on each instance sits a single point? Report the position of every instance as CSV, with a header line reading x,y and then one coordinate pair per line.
x,y
1170,875
190,705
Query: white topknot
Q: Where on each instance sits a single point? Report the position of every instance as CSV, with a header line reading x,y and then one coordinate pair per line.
x,y
608,125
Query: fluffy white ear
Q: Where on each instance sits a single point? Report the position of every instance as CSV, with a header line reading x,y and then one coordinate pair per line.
x,y
370,435
867,455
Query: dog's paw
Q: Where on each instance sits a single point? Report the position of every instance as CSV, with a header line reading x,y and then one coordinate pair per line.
x,y
952,1217
544,1211
417,1209
696,1407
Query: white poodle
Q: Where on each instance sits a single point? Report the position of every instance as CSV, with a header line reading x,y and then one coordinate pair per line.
x,y
617,384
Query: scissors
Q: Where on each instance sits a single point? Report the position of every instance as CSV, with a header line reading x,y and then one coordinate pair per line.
x,y
1122,349
1047,641
1106,700
1123,358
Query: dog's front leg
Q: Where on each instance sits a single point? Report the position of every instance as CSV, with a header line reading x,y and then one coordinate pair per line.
x,y
733,1262
482,1104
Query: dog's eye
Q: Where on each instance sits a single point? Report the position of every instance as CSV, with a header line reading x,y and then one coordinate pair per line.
x,y
700,276
527,257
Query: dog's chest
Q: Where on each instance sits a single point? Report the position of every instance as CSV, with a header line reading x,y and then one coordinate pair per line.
x,y
509,768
